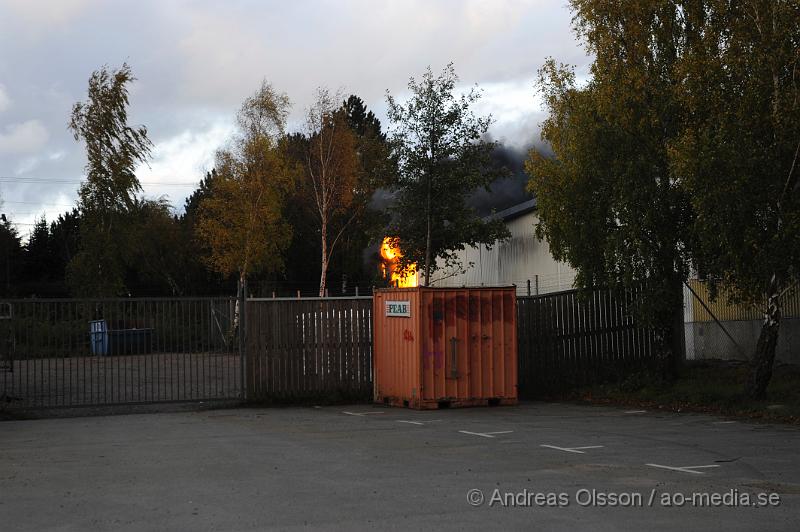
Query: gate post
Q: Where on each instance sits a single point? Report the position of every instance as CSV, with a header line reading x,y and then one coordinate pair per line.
x,y
242,296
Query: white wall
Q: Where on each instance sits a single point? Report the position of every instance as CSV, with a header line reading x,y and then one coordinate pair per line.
x,y
521,258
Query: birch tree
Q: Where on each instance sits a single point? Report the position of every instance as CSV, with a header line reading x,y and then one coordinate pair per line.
x,y
738,156
241,219
332,171
680,153
113,151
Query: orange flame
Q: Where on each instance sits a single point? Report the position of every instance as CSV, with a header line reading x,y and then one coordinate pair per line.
x,y
391,255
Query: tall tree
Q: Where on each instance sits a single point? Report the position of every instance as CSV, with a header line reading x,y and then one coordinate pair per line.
x,y
378,170
442,157
242,220
40,260
65,239
204,189
345,157
158,259
113,150
608,204
679,153
11,256
331,168
350,229
738,154
196,278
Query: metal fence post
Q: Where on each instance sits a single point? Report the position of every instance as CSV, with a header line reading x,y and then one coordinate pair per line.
x,y
243,337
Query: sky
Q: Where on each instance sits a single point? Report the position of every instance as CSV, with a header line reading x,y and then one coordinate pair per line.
x,y
196,61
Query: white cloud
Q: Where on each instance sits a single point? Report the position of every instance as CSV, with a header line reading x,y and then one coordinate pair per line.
x,y
5,100
41,15
26,137
516,111
182,159
57,155
26,165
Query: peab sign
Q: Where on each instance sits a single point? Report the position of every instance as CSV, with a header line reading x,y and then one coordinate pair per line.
x,y
400,309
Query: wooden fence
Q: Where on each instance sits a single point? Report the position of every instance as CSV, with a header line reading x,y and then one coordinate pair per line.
x,y
322,348
309,349
565,341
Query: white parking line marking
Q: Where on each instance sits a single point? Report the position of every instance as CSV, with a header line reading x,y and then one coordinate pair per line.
x,y
576,450
684,469
417,422
636,411
361,413
486,434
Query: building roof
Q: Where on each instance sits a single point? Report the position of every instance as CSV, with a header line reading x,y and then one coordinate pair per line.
x,y
514,212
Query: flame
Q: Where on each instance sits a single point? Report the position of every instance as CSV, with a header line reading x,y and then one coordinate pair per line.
x,y
388,252
391,255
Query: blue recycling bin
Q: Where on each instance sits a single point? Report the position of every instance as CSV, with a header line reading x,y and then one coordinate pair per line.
x,y
98,337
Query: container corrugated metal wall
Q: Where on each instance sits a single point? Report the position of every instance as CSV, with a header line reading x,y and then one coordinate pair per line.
x,y
455,346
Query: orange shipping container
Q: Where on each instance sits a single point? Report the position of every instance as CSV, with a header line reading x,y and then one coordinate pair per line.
x,y
439,347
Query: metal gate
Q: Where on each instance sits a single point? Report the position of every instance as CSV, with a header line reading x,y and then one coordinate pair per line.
x,y
69,352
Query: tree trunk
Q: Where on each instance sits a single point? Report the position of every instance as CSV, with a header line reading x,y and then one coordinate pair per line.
x,y
677,336
764,357
668,325
239,296
428,236
323,276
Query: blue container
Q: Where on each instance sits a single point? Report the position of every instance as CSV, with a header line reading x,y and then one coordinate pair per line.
x,y
98,337
130,341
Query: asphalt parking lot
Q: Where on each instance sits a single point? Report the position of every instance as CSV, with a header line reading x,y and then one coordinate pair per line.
x,y
536,466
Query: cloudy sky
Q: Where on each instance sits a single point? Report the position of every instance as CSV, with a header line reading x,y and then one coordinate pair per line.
x,y
195,61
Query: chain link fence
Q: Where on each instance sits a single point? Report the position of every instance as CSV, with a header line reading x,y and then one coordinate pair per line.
x,y
718,329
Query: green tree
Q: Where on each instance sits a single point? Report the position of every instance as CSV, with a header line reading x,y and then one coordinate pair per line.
x,y
678,154
38,251
378,170
738,154
204,190
65,239
157,261
113,150
41,268
608,203
442,157
196,278
241,222
11,257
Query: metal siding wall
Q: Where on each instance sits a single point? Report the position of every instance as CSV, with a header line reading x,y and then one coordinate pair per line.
x,y
520,259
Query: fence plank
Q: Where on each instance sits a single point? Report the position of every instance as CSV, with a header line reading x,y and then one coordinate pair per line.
x,y
566,340
320,347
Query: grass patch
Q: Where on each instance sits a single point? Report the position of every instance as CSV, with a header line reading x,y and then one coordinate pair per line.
x,y
712,386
